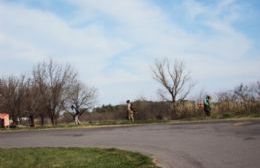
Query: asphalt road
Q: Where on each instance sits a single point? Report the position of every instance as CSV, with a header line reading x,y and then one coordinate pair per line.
x,y
212,145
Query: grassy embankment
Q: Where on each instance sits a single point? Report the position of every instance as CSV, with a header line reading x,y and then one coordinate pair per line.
x,y
72,157
105,123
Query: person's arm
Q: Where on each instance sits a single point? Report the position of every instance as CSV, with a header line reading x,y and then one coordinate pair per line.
x,y
206,102
132,108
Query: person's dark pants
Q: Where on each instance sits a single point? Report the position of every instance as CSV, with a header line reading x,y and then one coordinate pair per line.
x,y
207,112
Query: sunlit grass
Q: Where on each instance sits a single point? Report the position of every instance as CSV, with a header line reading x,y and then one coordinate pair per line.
x,y
72,157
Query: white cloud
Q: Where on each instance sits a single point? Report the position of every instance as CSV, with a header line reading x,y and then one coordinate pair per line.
x,y
36,35
133,33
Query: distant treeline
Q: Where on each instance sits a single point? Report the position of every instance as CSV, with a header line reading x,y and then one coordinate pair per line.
x,y
243,100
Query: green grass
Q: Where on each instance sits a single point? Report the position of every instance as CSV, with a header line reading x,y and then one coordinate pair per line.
x,y
72,157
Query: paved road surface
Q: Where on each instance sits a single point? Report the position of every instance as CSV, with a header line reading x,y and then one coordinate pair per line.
x,y
215,145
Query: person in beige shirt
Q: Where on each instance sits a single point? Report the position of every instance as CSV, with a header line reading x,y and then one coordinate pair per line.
x,y
130,111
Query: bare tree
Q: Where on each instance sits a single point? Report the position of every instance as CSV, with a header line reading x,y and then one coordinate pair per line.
x,y
13,96
256,89
2,99
34,103
248,96
52,81
176,82
9,89
81,98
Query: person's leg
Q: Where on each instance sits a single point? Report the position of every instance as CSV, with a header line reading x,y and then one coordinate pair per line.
x,y
133,120
132,117
76,119
207,112
129,116
79,121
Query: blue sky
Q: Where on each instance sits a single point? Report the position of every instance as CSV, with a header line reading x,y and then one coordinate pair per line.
x,y
113,43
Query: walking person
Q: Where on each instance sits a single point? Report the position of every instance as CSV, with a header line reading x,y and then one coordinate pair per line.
x,y
207,106
76,116
130,111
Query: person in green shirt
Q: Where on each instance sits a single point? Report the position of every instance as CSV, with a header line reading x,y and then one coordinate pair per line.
x,y
207,106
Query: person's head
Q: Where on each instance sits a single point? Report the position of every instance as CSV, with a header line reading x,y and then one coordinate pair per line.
x,y
208,97
128,101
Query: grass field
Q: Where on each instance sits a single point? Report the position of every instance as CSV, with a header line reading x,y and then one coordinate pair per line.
x,y
72,157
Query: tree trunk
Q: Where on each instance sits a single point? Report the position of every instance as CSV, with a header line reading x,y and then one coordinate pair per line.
x,y
31,120
42,120
53,120
173,111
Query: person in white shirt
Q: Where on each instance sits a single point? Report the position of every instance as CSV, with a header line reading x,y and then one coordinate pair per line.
x,y
130,111
76,116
